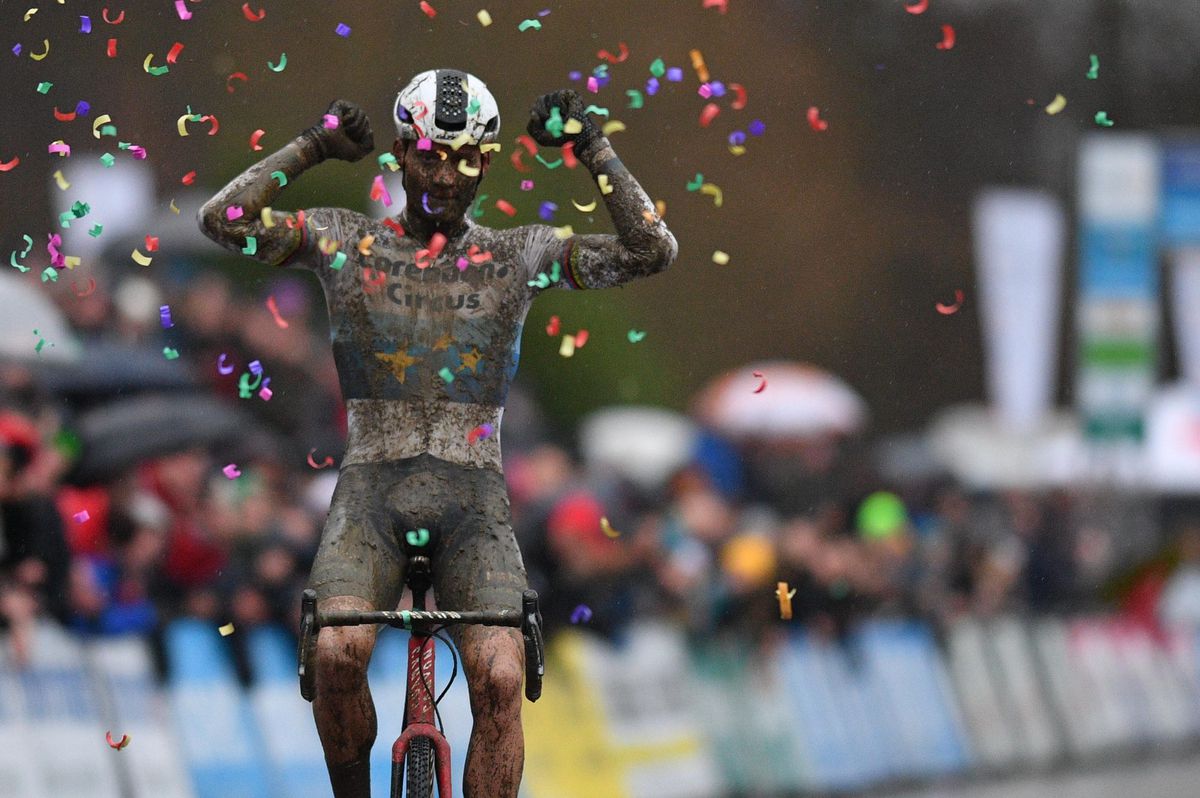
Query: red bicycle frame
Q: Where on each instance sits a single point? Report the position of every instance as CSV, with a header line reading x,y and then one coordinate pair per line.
x,y
418,711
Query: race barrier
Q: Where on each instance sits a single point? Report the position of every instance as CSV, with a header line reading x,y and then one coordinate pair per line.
x,y
652,714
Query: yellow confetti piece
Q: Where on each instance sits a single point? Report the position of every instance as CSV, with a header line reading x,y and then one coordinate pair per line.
x,y
459,141
29,14
737,149
71,261
564,232
226,630
46,45
364,246
612,126
698,65
181,124
567,347
714,192
174,207
327,245
591,206
63,185
660,206
1057,104
572,127
720,258
492,147
268,219
785,597
484,17
101,120
140,259
605,186
467,169
608,530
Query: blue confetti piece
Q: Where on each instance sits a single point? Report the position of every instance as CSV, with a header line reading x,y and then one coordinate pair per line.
x,y
342,29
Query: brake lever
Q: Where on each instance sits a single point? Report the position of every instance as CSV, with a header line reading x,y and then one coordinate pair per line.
x,y
535,651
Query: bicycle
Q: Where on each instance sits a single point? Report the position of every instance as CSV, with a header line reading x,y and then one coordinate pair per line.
x,y
422,750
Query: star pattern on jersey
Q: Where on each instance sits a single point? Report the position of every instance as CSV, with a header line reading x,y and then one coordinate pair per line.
x,y
470,360
444,343
398,361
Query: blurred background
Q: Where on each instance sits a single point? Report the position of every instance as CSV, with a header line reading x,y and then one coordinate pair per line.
x,y
928,364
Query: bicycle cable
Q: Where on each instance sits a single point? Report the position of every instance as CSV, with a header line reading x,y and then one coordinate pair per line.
x,y
453,675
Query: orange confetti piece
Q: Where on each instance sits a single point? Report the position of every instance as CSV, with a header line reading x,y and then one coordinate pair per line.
x,y
606,527
698,65
785,597
947,41
947,310
815,121
250,15
279,320
517,163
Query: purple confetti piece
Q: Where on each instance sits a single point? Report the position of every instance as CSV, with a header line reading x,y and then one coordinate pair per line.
x,y
652,86
164,315
675,74
17,48
221,367
82,108
581,614
342,29
737,138
757,127
705,91
137,152
81,516
85,24
545,12
575,74
718,88
255,367
547,211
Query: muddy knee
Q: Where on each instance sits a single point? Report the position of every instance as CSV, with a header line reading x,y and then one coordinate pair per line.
x,y
498,689
342,657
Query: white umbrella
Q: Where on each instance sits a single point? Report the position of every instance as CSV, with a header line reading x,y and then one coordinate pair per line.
x,y
786,400
644,444
24,309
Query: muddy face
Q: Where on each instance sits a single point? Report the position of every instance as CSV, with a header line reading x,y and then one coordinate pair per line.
x,y
441,183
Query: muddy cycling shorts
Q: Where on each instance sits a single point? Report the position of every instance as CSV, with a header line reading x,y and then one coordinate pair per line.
x,y
473,552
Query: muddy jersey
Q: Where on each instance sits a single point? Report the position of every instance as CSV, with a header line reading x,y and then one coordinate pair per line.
x,y
426,347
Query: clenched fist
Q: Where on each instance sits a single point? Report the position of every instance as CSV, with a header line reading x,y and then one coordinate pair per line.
x,y
558,117
351,140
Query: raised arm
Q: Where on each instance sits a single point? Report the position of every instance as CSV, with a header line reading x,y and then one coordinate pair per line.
x,y
257,187
643,245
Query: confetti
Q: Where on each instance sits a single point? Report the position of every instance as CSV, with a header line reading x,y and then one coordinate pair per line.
x,y
330,121
120,17
174,208
182,10
326,463
101,120
173,54
255,137
762,386
581,614
917,7
1094,70
45,51
364,245
276,175
467,169
226,630
609,532
613,126
279,320
282,65
815,121
695,185
235,76
480,433
231,471
156,71
59,147
947,41
947,310
8,166
714,192
189,178
251,246
505,207
484,17
1057,104
115,744
170,354
111,50
44,87
342,29
91,287
221,367
635,336
446,374
1103,120
81,516
591,206
429,10
234,212
140,259
529,23
339,260
785,597
250,15
567,347
721,5
605,55
417,537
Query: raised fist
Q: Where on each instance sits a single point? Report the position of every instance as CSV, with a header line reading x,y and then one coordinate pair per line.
x,y
351,139
558,117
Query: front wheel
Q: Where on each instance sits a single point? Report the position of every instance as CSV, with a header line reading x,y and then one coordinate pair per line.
x,y
417,770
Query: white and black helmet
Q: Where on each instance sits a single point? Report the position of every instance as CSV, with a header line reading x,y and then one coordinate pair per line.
x,y
443,104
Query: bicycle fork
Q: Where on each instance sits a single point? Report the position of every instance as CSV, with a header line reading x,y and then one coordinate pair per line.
x,y
419,712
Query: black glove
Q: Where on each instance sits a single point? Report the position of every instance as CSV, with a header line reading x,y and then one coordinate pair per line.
x,y
350,140
570,106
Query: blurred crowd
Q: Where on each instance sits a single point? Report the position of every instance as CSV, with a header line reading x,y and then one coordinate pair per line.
x,y
169,532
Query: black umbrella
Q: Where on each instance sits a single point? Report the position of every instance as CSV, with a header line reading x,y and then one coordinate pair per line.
x,y
122,434
107,368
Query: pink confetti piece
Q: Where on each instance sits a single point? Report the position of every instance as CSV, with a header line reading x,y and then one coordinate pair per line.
x,y
231,471
81,516
59,147
330,121
425,144
234,212
379,192
182,10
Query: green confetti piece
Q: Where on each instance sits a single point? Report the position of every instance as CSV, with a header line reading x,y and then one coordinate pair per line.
x,y
478,211
473,106
542,281
447,375
387,159
80,209
530,23
41,342
658,68
281,177
595,109
170,354
44,87
13,260
96,230
635,98
1103,120
554,125
555,271
50,274
339,260
109,130
158,70
417,537
107,159
1094,71
635,336
251,246
28,245
65,218
548,164
695,184
282,63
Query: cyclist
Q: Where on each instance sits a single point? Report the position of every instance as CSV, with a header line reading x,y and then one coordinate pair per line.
x,y
426,312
